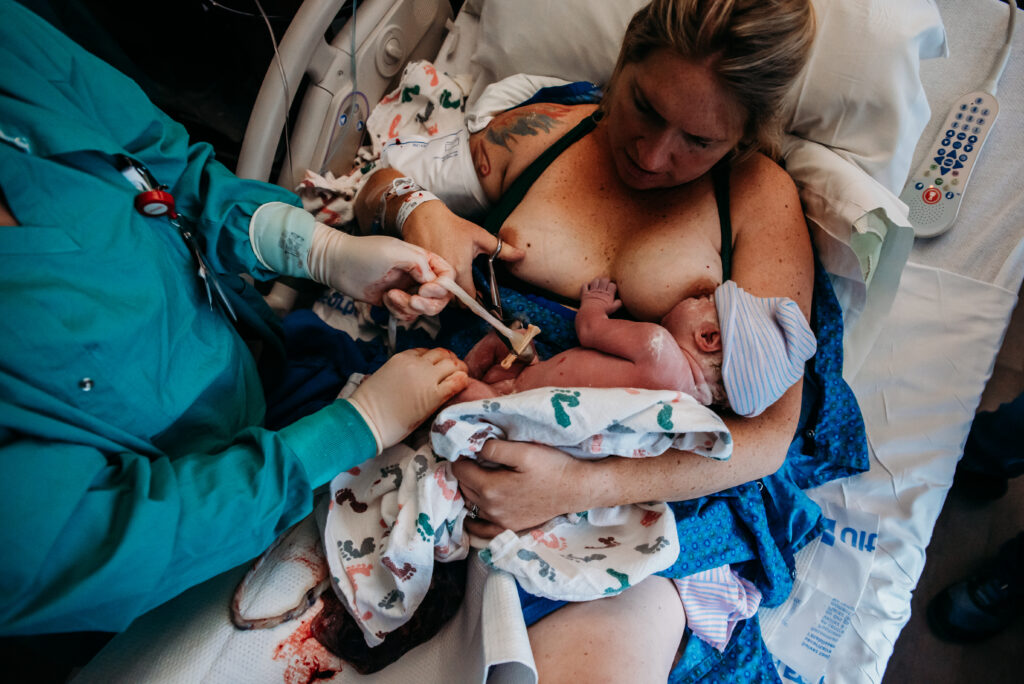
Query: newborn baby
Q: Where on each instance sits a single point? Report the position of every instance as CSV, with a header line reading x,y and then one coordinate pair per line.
x,y
747,367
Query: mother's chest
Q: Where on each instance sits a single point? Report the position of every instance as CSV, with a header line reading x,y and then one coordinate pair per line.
x,y
658,248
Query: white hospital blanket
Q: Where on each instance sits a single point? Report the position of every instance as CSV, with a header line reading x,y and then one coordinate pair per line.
x,y
388,520
923,379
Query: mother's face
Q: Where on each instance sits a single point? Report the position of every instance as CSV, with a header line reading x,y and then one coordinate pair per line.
x,y
669,120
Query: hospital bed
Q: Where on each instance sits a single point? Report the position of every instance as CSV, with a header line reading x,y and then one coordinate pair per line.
x,y
925,317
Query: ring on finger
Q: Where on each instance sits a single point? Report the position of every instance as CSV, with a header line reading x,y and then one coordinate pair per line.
x,y
474,512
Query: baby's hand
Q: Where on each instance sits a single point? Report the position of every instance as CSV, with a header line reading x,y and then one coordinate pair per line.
x,y
600,292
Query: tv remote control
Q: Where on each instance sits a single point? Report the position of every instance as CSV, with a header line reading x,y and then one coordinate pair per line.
x,y
934,192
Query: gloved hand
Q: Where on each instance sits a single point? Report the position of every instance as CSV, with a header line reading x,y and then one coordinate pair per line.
x,y
406,390
380,270
375,269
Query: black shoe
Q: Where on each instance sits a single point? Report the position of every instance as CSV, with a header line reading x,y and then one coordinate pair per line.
x,y
973,609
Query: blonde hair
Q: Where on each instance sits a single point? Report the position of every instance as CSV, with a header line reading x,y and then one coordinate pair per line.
x,y
757,48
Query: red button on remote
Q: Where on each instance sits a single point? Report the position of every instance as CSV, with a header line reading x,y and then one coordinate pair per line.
x,y
931,195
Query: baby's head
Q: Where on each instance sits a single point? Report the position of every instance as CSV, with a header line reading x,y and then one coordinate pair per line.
x,y
693,323
750,349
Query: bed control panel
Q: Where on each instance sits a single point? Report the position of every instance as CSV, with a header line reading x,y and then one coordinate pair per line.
x,y
935,190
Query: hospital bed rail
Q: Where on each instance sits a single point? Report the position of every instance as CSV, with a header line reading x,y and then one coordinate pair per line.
x,y
355,68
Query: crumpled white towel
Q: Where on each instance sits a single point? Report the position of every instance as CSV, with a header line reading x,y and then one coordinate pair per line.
x,y
390,519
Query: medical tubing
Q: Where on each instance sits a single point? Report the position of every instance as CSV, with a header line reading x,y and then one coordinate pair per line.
x,y
352,52
284,82
232,10
992,83
398,187
268,117
351,99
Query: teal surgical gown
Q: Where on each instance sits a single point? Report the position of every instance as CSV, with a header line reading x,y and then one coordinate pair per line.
x,y
133,464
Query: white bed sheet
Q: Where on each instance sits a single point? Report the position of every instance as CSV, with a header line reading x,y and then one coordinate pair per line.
x,y
955,300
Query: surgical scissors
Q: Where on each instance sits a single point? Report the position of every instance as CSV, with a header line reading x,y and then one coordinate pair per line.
x,y
495,295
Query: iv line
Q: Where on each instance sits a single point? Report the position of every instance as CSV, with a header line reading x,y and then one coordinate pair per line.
x,y
284,81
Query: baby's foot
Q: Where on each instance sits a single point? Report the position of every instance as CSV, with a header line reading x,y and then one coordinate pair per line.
x,y
600,292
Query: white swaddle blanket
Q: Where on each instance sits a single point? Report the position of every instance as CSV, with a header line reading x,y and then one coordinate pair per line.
x,y
388,520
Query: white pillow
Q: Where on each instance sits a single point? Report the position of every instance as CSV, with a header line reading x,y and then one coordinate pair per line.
x,y
862,235
576,40
860,95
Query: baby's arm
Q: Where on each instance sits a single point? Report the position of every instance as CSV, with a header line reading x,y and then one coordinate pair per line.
x,y
645,344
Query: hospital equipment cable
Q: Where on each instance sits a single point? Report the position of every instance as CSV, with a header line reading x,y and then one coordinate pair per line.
x,y
351,100
284,81
992,83
233,10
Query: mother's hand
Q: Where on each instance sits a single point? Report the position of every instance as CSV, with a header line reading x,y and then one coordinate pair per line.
x,y
436,228
534,484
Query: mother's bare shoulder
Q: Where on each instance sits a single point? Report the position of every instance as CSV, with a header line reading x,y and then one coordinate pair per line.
x,y
515,138
757,183
771,244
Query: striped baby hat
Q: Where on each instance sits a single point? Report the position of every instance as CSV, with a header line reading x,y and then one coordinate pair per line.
x,y
765,343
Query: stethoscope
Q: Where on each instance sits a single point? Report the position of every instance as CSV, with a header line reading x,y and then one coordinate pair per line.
x,y
154,200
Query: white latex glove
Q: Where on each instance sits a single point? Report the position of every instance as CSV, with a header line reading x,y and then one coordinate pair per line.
x,y
407,390
375,269
380,270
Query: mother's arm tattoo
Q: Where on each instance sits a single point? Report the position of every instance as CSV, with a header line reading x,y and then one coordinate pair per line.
x,y
540,118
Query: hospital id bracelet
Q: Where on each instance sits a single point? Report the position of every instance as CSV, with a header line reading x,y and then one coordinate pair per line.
x,y
413,196
408,205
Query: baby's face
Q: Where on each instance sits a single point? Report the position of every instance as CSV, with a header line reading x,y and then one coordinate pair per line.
x,y
693,323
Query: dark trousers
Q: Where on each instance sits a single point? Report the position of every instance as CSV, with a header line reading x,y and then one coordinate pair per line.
x,y
995,445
